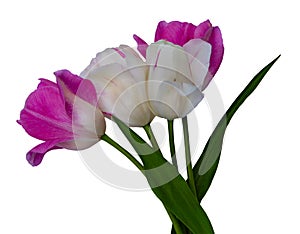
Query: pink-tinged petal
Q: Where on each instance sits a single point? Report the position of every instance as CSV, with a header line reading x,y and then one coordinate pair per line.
x,y
160,30
142,45
217,53
88,122
81,104
44,116
36,155
202,30
46,83
176,32
72,86
70,83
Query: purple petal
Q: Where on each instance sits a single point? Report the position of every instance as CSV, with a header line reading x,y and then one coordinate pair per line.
x,y
217,53
46,83
44,116
81,105
71,85
202,30
142,45
160,30
176,32
36,155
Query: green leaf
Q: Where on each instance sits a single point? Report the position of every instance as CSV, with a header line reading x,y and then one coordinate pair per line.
x,y
168,185
205,168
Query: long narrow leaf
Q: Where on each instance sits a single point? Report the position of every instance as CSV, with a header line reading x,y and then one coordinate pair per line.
x,y
205,168
168,185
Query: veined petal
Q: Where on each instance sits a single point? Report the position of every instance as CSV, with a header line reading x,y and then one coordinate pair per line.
x,y
176,32
44,116
36,155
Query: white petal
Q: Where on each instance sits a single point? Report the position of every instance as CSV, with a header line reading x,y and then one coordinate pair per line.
x,y
168,62
199,53
171,89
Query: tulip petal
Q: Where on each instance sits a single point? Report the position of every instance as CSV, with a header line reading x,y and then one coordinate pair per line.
x,y
199,53
44,116
36,155
168,62
46,83
202,30
81,104
70,84
176,32
172,90
216,54
142,45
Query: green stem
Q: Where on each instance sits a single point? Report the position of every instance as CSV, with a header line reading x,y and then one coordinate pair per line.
x,y
172,143
188,158
178,226
151,136
110,141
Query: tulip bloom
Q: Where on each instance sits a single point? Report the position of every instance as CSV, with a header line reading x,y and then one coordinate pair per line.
x,y
176,76
63,114
183,60
119,76
180,33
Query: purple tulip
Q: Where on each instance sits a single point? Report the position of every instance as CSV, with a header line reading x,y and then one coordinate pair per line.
x,y
63,115
179,33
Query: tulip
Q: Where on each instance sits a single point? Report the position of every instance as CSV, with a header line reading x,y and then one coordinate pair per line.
x,y
119,76
180,33
63,115
183,60
176,75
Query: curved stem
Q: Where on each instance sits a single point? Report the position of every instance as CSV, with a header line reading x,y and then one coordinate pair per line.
x,y
110,141
172,143
188,159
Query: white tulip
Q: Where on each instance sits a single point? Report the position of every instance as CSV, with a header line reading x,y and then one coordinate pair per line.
x,y
176,76
119,76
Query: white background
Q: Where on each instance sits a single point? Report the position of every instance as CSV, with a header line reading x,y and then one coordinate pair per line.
x,y
256,188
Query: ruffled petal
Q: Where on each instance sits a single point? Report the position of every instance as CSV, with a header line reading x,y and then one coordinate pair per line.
x,y
36,155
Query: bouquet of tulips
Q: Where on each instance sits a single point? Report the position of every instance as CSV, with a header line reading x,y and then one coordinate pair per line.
x,y
130,87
